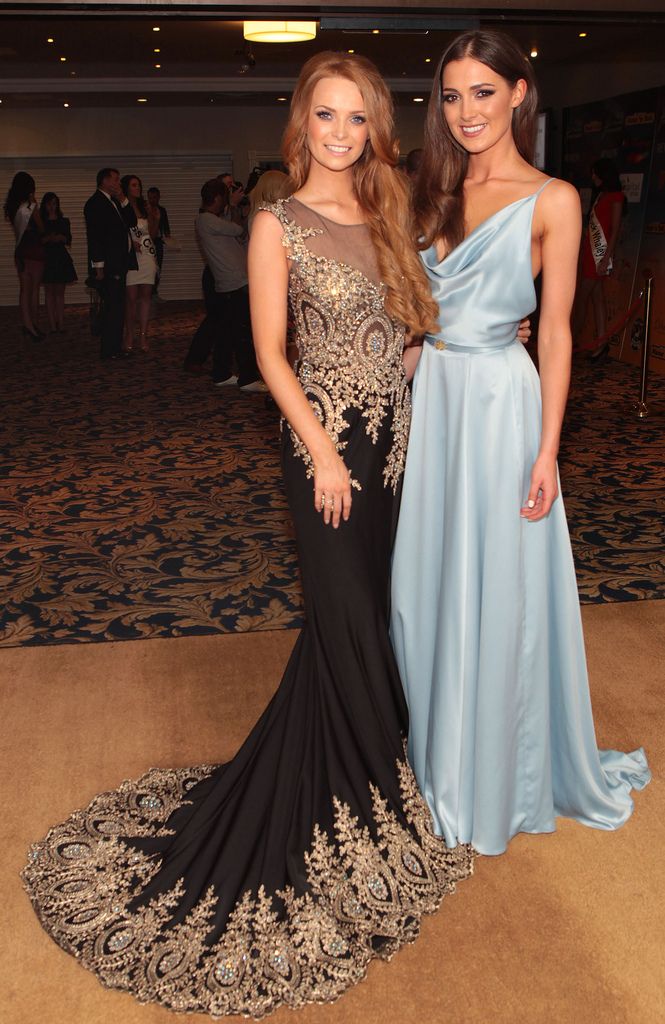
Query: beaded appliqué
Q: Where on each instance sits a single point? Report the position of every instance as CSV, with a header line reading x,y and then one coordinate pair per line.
x,y
350,350
364,899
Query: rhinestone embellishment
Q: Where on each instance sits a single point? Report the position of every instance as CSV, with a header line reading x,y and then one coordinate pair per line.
x,y
120,940
377,887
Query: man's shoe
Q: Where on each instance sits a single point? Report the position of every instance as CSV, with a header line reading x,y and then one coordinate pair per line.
x,y
256,387
226,382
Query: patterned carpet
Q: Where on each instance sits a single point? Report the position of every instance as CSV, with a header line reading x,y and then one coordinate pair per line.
x,y
137,501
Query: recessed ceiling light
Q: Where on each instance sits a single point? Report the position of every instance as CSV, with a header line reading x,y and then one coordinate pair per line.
x,y
418,99
50,40
428,60
158,65
156,28
73,74
281,99
375,31
63,59
582,35
65,104
534,52
157,50
350,51
141,99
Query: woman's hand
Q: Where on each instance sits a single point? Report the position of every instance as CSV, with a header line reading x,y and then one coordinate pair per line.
x,y
543,489
524,331
332,488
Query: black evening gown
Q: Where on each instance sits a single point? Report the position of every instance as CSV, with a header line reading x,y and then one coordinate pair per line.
x,y
277,877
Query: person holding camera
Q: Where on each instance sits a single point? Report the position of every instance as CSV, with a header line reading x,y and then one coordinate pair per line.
x,y
226,327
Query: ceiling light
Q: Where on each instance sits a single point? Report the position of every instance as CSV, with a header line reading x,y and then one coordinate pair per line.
x,y
375,31
582,35
49,40
534,52
350,51
65,104
141,99
281,99
73,74
279,31
418,99
157,50
156,28
428,60
63,59
158,65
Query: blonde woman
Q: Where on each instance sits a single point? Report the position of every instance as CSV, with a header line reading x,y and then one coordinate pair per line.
x,y
271,186
276,878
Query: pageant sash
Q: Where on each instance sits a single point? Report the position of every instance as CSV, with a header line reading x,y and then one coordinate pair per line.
x,y
597,239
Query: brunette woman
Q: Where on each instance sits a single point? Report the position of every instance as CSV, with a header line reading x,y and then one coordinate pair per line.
x,y
140,282
276,878
485,616
22,211
58,267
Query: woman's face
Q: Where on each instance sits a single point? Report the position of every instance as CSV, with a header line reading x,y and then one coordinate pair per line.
x,y
478,104
134,186
337,124
52,208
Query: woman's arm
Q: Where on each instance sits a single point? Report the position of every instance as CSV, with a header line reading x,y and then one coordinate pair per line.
x,y
560,239
268,289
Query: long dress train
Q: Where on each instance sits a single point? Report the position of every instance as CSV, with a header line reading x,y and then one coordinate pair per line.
x,y
485,612
276,878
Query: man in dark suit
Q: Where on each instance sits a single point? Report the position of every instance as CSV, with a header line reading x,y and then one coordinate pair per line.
x,y
108,217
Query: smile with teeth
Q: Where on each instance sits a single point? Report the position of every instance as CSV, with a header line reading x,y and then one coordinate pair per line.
x,y
340,150
473,129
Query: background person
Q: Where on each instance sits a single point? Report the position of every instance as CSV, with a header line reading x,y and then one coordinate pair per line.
x,y
22,212
108,217
58,266
163,231
140,281
226,326
598,244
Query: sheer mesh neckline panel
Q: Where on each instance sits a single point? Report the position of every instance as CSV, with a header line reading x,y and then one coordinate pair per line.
x,y
347,243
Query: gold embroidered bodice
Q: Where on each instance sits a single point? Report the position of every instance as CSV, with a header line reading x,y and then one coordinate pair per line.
x,y
349,348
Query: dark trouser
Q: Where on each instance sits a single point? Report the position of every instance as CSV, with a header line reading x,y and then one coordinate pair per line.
x,y
204,339
112,315
227,330
236,338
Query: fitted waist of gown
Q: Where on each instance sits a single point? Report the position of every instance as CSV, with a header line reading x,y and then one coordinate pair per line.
x,y
440,343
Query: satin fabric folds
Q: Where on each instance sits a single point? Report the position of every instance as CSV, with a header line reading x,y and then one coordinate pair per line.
x,y
485,613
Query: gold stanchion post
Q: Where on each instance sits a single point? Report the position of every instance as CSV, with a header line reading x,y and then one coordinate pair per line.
x,y
641,405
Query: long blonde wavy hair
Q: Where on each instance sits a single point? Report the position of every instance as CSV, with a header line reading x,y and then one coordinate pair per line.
x,y
382,190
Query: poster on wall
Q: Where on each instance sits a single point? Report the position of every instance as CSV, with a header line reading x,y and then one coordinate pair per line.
x,y
622,129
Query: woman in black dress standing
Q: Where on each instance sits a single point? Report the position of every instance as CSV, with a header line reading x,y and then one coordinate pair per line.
x,y
58,267
276,878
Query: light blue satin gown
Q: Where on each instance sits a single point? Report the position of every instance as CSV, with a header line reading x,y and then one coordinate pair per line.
x,y
485,612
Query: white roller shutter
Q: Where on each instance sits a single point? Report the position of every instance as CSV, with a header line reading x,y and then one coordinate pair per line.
x,y
73,178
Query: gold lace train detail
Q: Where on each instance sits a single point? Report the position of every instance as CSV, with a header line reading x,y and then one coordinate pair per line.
x,y
364,899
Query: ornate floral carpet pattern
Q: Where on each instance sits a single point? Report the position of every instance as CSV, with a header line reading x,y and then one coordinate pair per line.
x,y
138,501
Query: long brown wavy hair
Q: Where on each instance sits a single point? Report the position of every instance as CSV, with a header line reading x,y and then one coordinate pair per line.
x,y
382,191
438,200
